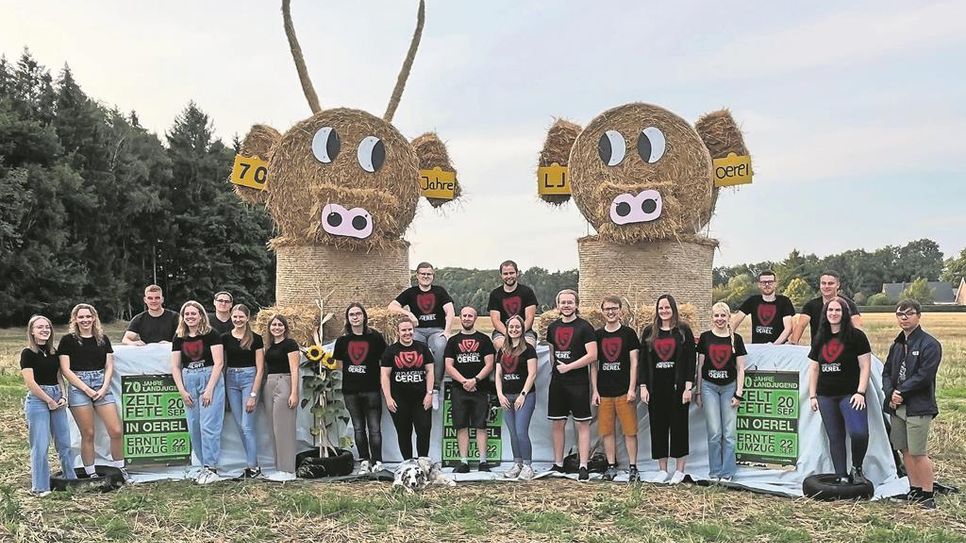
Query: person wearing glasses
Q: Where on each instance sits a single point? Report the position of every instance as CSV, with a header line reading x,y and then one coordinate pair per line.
x,y
220,319
909,383
771,314
155,325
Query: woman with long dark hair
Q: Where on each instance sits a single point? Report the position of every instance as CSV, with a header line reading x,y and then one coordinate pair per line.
x,y
358,352
244,372
407,385
838,379
516,375
282,392
666,378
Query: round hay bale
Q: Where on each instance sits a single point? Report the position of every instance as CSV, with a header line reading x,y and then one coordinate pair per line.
x,y
257,143
682,175
556,149
382,320
721,136
306,273
641,272
431,153
300,184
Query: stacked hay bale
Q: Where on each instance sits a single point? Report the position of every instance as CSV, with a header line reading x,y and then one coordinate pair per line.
x,y
635,317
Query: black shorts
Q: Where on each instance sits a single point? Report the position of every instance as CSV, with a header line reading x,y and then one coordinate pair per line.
x,y
566,399
469,409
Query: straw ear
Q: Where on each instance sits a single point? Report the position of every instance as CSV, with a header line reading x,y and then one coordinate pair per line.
x,y
431,154
258,143
721,134
556,150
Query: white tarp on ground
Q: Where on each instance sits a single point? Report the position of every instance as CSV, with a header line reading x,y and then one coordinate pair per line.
x,y
813,454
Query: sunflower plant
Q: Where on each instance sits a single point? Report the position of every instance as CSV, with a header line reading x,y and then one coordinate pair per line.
x,y
328,409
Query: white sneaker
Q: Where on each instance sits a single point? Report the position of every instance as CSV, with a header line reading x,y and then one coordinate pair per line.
x,y
39,493
513,472
364,467
207,477
526,473
377,467
726,478
281,476
676,478
126,476
661,477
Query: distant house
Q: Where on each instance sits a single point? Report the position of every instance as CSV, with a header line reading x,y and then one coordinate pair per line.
x,y
942,292
961,293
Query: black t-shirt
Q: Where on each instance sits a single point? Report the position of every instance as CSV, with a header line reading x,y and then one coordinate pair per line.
x,y
468,352
86,354
813,308
614,360
766,317
276,356
360,356
220,327
196,350
408,366
720,360
511,303
668,361
427,306
568,342
838,363
45,366
515,370
154,329
235,356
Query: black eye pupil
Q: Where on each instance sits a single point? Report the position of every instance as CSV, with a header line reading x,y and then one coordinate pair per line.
x,y
333,145
359,222
649,205
604,148
378,155
644,148
334,219
623,209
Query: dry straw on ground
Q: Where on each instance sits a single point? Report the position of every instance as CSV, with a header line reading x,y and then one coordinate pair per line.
x,y
431,153
556,150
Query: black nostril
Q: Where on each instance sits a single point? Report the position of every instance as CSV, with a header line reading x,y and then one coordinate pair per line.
x,y
649,205
623,209
359,222
334,219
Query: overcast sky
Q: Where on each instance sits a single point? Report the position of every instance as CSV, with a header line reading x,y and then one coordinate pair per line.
x,y
854,114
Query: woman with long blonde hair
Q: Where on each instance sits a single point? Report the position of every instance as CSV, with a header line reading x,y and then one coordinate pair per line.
x,y
721,377
87,361
244,370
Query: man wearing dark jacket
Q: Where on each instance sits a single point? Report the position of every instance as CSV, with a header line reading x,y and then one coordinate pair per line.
x,y
909,383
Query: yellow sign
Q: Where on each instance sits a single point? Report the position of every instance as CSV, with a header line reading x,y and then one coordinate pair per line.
x,y
249,171
732,170
436,183
553,179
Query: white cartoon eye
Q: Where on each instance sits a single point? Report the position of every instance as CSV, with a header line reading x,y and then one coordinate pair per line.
x,y
372,154
326,144
651,144
611,147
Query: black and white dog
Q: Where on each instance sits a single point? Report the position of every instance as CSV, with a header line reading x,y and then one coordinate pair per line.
x,y
418,473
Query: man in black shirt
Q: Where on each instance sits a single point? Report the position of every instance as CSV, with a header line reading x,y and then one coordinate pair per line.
x,y
220,319
469,360
771,314
811,315
156,325
510,299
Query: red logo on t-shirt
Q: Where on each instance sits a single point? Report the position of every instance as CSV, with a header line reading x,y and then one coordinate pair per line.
x,y
766,313
194,349
509,363
512,305
664,347
719,353
562,336
409,359
832,349
611,346
426,301
358,351
469,345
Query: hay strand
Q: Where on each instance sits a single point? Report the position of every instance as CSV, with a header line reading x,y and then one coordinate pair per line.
x,y
637,317
407,64
293,44
556,149
431,153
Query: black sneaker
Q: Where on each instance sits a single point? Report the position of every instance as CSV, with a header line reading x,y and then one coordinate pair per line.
x,y
462,467
582,474
610,473
251,473
556,469
928,504
856,477
484,466
632,475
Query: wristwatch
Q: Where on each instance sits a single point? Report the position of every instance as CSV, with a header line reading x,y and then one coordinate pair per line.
x,y
252,394
523,392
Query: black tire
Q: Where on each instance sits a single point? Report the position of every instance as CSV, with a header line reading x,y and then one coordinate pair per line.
x,y
311,466
824,487
109,478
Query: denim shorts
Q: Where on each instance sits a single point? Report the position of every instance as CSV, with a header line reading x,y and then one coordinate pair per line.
x,y
94,379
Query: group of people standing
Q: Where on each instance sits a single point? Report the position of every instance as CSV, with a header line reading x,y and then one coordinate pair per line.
x,y
217,356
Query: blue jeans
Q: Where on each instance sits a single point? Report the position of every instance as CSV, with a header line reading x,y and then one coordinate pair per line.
x,y
839,417
721,420
238,384
93,379
41,422
518,422
204,422
435,339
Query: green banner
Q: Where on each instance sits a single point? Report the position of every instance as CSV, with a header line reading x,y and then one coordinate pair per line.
x,y
155,428
768,418
494,432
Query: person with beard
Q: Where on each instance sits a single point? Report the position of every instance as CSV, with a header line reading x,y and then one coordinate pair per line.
x,y
516,376
573,350
840,360
615,390
666,377
771,314
407,386
512,298
813,311
154,325
469,361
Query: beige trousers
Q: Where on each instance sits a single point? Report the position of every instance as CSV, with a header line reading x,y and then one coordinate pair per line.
x,y
278,388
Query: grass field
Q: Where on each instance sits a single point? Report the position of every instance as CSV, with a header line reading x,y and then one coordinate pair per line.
x,y
552,510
